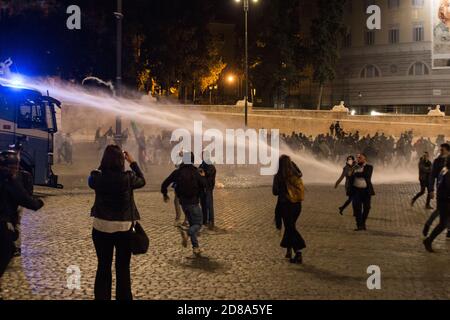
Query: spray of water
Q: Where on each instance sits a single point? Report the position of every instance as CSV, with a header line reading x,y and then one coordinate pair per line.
x,y
94,106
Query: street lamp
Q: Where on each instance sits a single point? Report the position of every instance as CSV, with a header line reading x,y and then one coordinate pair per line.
x,y
119,18
246,9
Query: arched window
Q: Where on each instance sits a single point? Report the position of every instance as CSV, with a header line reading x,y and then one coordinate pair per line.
x,y
370,71
418,69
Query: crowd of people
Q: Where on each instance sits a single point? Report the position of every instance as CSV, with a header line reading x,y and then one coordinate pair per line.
x,y
337,144
154,149
116,216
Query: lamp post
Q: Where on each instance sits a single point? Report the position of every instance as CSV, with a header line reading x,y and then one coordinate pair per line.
x,y
119,18
246,9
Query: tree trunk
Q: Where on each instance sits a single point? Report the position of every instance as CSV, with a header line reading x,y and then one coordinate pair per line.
x,y
319,100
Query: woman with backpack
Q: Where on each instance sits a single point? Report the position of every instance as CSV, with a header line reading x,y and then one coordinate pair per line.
x,y
288,186
114,212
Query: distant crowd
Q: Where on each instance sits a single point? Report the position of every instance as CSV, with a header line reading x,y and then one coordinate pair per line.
x,y
380,148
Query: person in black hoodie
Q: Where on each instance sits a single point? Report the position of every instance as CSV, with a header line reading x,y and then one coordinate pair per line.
x,y
288,211
113,213
207,197
189,184
443,205
12,195
425,167
362,191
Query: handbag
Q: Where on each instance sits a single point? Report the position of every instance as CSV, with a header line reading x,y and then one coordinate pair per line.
x,y
139,241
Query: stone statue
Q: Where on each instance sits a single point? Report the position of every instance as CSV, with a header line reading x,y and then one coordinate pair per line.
x,y
340,108
436,112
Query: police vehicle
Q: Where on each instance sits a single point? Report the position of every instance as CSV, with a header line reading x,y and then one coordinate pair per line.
x,y
28,124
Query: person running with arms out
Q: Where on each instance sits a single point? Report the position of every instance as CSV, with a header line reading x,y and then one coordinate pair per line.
x,y
288,187
189,184
346,173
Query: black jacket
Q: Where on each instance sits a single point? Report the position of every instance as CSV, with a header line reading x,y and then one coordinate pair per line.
x,y
367,175
211,172
13,195
425,167
198,184
438,165
443,190
114,199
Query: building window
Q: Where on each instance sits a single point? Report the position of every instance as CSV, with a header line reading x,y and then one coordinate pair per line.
x,y
419,69
418,33
393,4
370,71
417,3
347,40
394,35
370,38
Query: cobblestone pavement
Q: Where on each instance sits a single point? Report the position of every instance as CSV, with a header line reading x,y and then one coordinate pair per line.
x,y
243,259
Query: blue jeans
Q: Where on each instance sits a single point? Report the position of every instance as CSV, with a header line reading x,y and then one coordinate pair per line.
x,y
207,201
195,218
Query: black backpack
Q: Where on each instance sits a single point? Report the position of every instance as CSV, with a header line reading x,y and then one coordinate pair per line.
x,y
186,184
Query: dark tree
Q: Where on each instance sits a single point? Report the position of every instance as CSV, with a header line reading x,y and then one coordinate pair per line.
x,y
278,51
326,33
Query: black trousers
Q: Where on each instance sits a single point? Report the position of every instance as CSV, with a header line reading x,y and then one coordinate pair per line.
x,y
361,206
292,239
444,216
104,246
423,189
6,247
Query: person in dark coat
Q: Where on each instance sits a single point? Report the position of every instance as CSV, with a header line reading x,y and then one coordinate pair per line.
x,y
362,191
114,212
425,167
438,164
207,197
288,211
443,205
12,195
346,173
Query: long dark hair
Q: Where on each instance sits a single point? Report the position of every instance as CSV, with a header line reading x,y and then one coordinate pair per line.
x,y
113,159
287,169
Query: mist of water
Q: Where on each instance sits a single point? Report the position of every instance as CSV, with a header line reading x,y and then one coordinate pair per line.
x,y
95,109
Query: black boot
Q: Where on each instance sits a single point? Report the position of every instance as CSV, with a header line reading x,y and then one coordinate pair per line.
x,y
426,230
298,259
428,245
